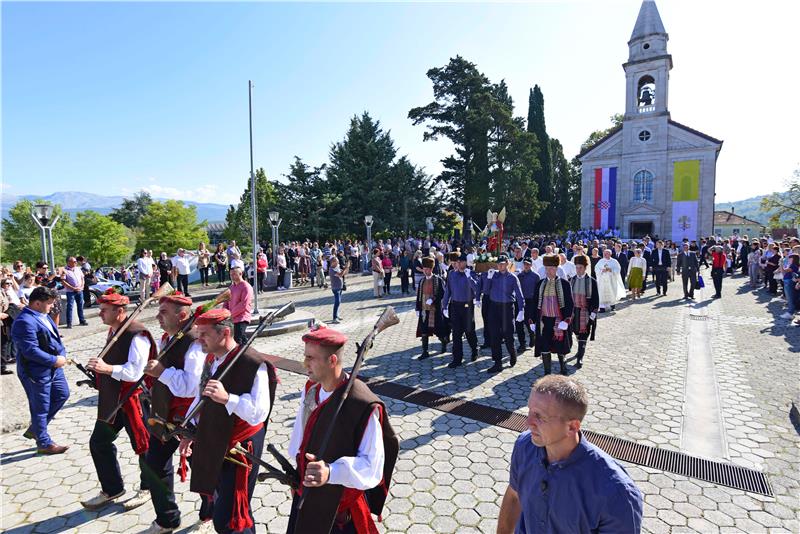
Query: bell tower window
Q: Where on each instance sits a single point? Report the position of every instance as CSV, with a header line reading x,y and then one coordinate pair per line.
x,y
646,94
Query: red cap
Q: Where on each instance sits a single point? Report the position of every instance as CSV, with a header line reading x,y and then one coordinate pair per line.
x,y
214,316
113,298
176,297
326,337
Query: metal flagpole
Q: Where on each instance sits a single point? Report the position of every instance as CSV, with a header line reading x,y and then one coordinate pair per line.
x,y
253,202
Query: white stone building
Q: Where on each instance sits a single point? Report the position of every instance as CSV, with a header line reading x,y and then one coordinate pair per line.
x,y
651,176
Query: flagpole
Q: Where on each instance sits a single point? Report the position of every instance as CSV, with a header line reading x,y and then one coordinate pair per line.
x,y
253,202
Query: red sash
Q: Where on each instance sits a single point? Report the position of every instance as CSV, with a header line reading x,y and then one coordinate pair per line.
x,y
240,515
133,411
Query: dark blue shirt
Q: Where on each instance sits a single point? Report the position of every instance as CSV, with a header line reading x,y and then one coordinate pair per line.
x,y
460,288
586,492
503,287
527,282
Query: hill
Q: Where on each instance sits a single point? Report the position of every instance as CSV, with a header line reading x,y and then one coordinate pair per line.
x,y
75,201
749,208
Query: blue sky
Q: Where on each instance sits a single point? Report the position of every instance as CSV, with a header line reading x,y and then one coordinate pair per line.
x,y
115,97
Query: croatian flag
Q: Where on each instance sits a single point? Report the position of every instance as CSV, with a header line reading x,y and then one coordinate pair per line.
x,y
605,197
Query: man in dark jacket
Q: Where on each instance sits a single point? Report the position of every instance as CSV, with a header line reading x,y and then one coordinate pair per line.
x,y
41,357
687,267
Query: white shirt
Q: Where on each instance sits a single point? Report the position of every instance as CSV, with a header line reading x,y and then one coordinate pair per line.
x,y
43,319
560,272
537,264
145,266
569,269
658,255
638,262
138,354
363,471
185,382
253,407
182,264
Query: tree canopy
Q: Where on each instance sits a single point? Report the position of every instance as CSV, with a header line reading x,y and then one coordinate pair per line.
x,y
167,226
22,236
99,238
784,207
131,211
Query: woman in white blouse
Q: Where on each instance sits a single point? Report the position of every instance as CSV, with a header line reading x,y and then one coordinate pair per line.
x,y
636,269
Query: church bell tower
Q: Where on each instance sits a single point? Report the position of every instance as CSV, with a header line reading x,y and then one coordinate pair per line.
x,y
648,66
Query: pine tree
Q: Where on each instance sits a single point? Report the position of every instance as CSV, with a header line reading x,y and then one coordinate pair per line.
x,y
543,176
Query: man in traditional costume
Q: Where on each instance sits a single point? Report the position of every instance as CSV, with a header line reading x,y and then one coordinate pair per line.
x,y
116,373
176,381
609,281
235,410
431,322
350,482
585,297
554,311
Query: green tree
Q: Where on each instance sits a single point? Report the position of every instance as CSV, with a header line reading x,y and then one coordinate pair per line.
x,y
170,225
512,163
22,236
566,189
362,177
101,239
784,207
543,175
461,113
304,201
238,218
132,210
597,135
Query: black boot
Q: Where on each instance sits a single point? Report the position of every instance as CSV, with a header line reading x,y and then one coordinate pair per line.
x,y
496,368
424,354
513,360
443,347
475,353
579,355
546,362
562,364
522,347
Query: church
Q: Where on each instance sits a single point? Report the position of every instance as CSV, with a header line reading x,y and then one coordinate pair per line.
x,y
651,175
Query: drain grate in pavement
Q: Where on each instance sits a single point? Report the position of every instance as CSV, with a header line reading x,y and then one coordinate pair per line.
x,y
695,317
724,474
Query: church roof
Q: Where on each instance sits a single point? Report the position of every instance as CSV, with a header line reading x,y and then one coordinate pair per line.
x,y
695,132
722,218
600,141
648,22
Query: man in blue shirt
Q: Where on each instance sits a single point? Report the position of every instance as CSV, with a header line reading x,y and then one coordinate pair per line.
x,y
559,482
527,281
458,306
503,289
41,357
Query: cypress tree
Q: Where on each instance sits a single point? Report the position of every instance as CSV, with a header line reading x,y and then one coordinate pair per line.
x,y
543,175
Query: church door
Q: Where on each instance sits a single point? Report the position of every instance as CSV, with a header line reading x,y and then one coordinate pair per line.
x,y
641,229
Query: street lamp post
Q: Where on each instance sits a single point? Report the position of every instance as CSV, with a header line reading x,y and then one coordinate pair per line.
x,y
429,226
42,214
275,221
368,223
253,211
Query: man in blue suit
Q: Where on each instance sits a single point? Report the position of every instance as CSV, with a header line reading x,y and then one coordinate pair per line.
x,y
40,361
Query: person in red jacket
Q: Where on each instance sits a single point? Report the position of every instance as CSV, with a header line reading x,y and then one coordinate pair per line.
x,y
718,262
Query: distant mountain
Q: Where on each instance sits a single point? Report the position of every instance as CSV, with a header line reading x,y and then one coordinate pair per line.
x,y
75,201
749,208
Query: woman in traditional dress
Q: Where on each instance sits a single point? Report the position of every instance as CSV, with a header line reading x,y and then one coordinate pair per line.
x,y
636,270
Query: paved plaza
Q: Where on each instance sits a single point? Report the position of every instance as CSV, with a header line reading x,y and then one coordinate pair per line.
x,y
713,379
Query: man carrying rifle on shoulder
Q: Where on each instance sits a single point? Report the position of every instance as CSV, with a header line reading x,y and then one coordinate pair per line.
x,y
234,410
129,346
177,378
350,481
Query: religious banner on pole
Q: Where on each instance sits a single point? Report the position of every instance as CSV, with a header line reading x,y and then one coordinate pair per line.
x,y
685,200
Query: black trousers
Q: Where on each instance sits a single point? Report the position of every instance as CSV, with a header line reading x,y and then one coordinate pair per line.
x,y
220,274
160,476
485,311
524,327
716,276
281,276
183,284
203,275
104,454
404,281
501,321
462,321
688,280
239,332
347,528
223,495
660,274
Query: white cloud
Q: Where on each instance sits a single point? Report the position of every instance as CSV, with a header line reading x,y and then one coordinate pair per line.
x,y
202,193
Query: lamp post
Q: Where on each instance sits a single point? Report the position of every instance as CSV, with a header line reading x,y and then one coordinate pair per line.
x,y
42,214
253,211
275,221
368,223
429,226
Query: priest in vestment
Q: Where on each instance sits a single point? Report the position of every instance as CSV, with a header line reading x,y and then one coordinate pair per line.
x,y
609,281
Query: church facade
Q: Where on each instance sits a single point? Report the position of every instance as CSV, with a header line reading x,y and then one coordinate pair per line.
x,y
650,176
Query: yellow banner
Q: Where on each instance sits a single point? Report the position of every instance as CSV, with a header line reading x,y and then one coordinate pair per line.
x,y
687,180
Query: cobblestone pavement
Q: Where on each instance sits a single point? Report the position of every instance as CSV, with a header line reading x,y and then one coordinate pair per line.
x,y
452,471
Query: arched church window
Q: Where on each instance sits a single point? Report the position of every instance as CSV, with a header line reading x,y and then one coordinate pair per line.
x,y
643,187
646,94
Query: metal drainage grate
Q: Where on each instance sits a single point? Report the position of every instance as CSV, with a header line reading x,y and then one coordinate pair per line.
x,y
695,317
724,474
